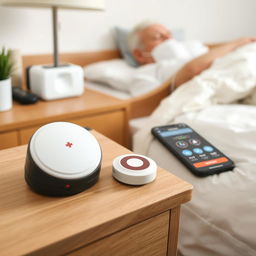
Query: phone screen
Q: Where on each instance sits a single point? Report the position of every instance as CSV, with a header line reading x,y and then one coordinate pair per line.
x,y
200,156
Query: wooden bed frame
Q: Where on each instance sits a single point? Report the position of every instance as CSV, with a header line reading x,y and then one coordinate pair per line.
x,y
139,106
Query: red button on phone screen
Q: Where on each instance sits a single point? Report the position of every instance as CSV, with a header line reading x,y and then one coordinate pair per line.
x,y
211,162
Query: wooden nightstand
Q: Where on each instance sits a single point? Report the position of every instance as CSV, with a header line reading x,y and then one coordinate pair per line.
x,y
101,112
110,218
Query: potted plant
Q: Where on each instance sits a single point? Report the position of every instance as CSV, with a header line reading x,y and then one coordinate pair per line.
x,y
5,80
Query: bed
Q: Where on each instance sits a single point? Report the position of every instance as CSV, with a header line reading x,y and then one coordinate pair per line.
x,y
220,104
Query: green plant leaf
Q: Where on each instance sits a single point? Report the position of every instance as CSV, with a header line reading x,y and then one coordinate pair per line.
x,y
6,67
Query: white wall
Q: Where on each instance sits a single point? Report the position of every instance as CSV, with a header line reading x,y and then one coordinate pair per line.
x,y
29,29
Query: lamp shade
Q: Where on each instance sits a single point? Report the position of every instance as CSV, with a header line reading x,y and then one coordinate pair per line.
x,y
69,4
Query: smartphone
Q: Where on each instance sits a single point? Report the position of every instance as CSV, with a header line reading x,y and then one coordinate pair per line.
x,y
195,152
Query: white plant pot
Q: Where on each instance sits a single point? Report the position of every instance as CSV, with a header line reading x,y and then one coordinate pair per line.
x,y
5,94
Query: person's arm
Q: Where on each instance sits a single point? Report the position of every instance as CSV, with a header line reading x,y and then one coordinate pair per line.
x,y
237,42
214,45
199,64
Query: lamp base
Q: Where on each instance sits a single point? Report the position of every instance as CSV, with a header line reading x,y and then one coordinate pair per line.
x,y
51,83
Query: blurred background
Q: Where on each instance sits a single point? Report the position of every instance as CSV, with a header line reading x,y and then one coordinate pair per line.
x,y
30,29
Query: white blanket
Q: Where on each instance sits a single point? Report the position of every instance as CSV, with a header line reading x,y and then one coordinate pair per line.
x,y
220,218
230,79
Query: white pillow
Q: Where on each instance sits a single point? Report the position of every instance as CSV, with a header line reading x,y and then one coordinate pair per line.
x,y
115,73
136,81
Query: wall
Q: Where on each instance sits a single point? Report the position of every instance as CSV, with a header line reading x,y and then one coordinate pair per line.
x,y
29,29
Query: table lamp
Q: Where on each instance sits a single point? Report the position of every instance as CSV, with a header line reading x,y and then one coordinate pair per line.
x,y
57,80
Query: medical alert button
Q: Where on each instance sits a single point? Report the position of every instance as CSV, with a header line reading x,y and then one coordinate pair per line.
x,y
134,169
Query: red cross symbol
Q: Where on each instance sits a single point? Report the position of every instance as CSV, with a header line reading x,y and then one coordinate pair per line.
x,y
69,144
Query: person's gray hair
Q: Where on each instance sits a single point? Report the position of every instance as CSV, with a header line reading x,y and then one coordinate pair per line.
x,y
134,40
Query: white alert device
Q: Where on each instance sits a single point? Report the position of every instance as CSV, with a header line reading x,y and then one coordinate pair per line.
x,y
134,169
50,83
62,159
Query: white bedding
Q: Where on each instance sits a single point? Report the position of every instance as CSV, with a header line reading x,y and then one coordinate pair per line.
x,y
230,79
117,74
220,220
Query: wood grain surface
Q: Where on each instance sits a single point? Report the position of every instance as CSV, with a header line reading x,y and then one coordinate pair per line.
x,y
39,225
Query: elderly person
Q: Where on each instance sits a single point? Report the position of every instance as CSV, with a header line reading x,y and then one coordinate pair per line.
x,y
146,36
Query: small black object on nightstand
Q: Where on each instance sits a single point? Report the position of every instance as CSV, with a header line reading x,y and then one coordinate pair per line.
x,y
23,96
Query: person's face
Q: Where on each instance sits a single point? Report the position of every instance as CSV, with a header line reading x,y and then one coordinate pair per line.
x,y
150,37
153,36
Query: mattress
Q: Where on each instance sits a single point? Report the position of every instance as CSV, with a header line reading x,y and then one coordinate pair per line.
x,y
100,87
221,217
136,123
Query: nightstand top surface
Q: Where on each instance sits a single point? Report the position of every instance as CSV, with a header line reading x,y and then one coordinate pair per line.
x,y
33,223
91,102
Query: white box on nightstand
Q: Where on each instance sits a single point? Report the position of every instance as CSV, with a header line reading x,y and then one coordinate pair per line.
x,y
51,83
